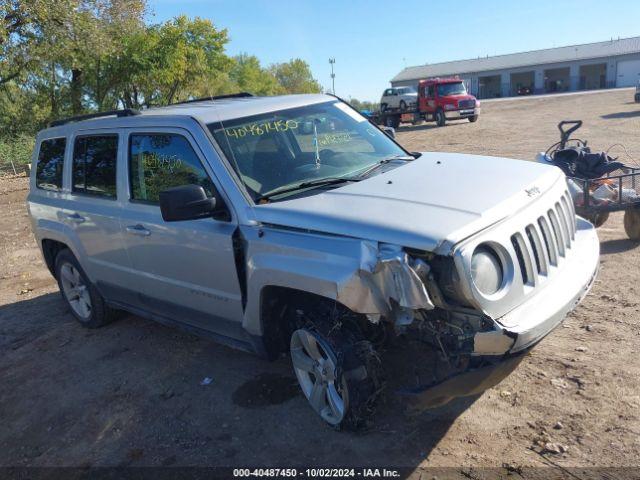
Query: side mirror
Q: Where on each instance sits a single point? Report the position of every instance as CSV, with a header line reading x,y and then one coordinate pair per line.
x,y
389,131
186,202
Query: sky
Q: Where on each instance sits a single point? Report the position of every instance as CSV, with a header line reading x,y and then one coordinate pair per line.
x,y
373,40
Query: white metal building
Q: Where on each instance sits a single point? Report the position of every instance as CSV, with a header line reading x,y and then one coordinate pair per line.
x,y
614,63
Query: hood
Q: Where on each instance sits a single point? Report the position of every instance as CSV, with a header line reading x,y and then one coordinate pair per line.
x,y
429,204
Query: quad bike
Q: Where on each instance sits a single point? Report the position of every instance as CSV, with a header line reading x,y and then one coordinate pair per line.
x,y
598,184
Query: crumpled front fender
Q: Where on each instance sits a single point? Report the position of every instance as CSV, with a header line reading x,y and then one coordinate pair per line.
x,y
385,277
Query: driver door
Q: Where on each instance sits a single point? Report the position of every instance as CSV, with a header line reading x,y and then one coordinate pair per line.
x,y
181,270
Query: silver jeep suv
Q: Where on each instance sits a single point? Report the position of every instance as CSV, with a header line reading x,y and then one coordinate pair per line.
x,y
292,225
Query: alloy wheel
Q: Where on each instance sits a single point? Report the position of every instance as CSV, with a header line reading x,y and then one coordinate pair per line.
x,y
75,291
314,363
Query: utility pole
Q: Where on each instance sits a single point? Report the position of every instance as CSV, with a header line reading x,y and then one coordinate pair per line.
x,y
332,62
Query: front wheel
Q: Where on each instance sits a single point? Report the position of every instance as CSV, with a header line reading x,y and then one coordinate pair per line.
x,y
632,223
473,118
403,105
440,118
337,370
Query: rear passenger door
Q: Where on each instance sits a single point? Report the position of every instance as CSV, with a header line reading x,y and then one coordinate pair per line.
x,y
184,270
92,209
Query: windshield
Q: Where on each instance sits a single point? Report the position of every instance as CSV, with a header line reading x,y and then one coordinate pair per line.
x,y
447,89
310,143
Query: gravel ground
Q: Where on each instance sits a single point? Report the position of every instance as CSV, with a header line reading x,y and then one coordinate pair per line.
x,y
130,393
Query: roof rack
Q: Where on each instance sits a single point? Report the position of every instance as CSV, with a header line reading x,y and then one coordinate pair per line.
x,y
127,112
217,97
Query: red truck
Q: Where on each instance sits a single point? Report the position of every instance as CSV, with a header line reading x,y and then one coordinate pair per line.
x,y
439,100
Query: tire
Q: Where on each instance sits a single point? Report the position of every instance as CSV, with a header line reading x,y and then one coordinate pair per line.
x,y
81,296
383,107
392,121
337,369
403,105
632,223
473,118
598,219
440,118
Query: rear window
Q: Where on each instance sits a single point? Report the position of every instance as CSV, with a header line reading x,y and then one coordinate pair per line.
x,y
50,163
94,165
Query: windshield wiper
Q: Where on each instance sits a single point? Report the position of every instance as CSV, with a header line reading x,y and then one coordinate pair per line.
x,y
384,161
321,182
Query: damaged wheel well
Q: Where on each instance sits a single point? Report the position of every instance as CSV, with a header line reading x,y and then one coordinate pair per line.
x,y
280,307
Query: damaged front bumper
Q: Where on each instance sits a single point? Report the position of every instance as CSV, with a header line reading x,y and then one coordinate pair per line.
x,y
474,381
499,351
531,321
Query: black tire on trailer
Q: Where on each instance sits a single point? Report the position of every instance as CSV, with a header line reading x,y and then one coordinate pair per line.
x,y
473,118
598,219
403,105
392,121
383,107
440,118
632,223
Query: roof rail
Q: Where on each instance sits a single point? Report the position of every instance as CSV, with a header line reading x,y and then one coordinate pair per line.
x,y
127,112
217,97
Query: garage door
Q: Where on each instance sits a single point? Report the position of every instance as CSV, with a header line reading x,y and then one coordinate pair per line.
x,y
628,73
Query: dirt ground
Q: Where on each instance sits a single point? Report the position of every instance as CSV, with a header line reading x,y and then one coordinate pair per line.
x,y
131,393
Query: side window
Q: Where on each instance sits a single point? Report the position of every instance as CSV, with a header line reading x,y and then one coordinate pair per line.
x,y
50,163
387,92
158,161
94,165
430,91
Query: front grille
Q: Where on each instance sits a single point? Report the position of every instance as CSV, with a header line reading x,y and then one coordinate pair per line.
x,y
545,242
467,103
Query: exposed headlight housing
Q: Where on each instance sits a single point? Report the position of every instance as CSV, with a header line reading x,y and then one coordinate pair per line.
x,y
449,106
487,271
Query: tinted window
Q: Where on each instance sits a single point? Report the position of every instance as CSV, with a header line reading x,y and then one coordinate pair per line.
x,y
94,165
161,161
50,163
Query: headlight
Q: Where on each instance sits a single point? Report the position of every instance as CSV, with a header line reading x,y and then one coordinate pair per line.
x,y
449,106
486,270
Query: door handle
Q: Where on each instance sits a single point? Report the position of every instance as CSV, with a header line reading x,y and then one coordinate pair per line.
x,y
138,230
74,217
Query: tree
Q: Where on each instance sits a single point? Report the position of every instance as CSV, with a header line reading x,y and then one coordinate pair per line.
x,y
247,75
295,77
364,105
172,61
75,56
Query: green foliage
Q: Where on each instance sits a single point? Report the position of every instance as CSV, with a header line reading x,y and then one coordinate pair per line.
x,y
64,57
364,105
17,150
247,75
295,77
